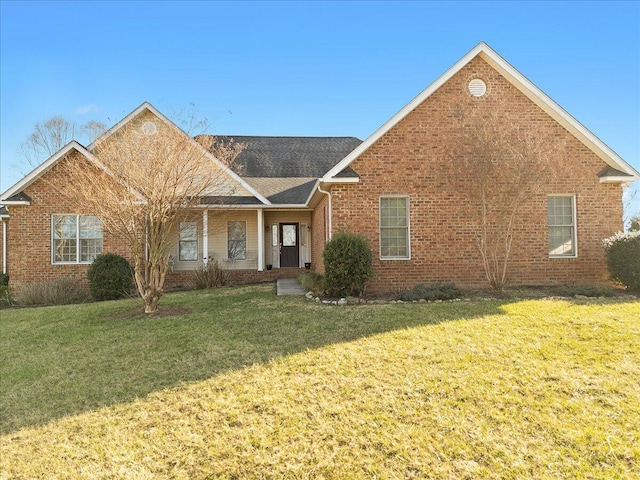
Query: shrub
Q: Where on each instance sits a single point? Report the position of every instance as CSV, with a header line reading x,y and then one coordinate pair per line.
x,y
623,258
313,282
5,294
438,291
208,276
347,264
110,277
60,291
584,290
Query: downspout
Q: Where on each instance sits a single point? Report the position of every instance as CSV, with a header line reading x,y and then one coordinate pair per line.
x,y
328,194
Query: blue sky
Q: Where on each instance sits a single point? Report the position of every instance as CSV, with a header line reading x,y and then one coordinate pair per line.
x,y
311,68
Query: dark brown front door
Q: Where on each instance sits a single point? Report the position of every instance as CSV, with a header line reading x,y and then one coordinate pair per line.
x,y
289,251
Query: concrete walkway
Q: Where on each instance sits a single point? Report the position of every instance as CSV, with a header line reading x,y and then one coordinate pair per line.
x,y
289,286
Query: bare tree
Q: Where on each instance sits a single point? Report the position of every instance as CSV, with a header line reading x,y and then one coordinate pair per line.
x,y
149,176
508,164
49,137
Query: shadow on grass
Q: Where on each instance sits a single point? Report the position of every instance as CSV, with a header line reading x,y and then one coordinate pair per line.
x,y
62,361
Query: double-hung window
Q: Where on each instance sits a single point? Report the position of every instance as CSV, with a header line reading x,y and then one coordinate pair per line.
x,y
75,238
237,240
394,228
188,242
561,220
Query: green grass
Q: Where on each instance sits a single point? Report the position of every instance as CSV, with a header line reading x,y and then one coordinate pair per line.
x,y
238,383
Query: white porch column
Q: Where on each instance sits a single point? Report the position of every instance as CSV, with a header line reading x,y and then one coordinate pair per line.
x,y
260,240
205,236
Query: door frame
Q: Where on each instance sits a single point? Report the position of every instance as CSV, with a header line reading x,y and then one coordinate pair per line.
x,y
297,245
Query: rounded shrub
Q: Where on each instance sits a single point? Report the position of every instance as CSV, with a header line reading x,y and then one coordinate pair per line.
x,y
347,264
623,258
110,277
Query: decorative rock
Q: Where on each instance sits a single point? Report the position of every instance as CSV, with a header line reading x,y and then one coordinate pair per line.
x,y
309,295
342,301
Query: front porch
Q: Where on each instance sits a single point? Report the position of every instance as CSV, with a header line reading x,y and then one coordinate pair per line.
x,y
251,245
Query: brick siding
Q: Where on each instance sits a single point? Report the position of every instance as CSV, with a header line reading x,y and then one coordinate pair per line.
x,y
29,235
410,160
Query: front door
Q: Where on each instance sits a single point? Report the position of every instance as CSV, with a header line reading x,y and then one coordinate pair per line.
x,y
289,249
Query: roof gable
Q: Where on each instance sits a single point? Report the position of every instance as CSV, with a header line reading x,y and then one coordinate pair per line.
x,y
9,197
245,188
15,195
521,83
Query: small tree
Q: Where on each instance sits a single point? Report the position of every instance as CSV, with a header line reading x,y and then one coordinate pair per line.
x,y
347,264
50,136
145,179
507,163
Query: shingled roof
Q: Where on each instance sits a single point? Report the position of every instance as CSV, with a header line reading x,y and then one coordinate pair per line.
x,y
287,157
285,169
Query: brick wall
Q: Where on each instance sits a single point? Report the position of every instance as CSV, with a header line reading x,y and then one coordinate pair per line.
x,y
411,159
239,277
29,235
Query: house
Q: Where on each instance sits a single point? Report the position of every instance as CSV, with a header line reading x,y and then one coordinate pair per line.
x,y
286,196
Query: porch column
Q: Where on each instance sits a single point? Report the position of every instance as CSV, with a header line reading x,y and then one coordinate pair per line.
x,y
205,236
260,240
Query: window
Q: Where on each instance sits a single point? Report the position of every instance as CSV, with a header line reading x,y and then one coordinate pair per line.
x,y
394,228
237,240
188,242
561,219
76,238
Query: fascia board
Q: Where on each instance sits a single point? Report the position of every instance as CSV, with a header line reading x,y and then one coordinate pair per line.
x,y
285,206
519,81
618,179
408,108
47,165
555,111
341,180
40,170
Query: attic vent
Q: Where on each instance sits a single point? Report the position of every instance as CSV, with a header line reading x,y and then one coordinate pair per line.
x,y
149,128
477,87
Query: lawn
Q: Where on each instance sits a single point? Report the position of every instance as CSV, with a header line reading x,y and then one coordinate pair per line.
x,y
239,383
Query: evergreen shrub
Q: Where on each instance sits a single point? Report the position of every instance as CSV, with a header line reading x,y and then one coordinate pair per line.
x,y
110,277
347,264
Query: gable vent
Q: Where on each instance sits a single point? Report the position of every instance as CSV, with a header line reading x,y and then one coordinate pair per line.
x,y
477,87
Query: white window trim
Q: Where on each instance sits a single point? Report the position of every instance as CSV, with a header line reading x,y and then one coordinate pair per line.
x,y
575,226
196,240
78,248
407,198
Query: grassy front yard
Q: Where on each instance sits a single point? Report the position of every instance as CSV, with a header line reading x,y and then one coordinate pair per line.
x,y
237,383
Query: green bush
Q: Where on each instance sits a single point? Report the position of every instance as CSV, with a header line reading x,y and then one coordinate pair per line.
x,y
5,294
438,291
60,291
623,258
110,277
208,276
347,264
313,282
